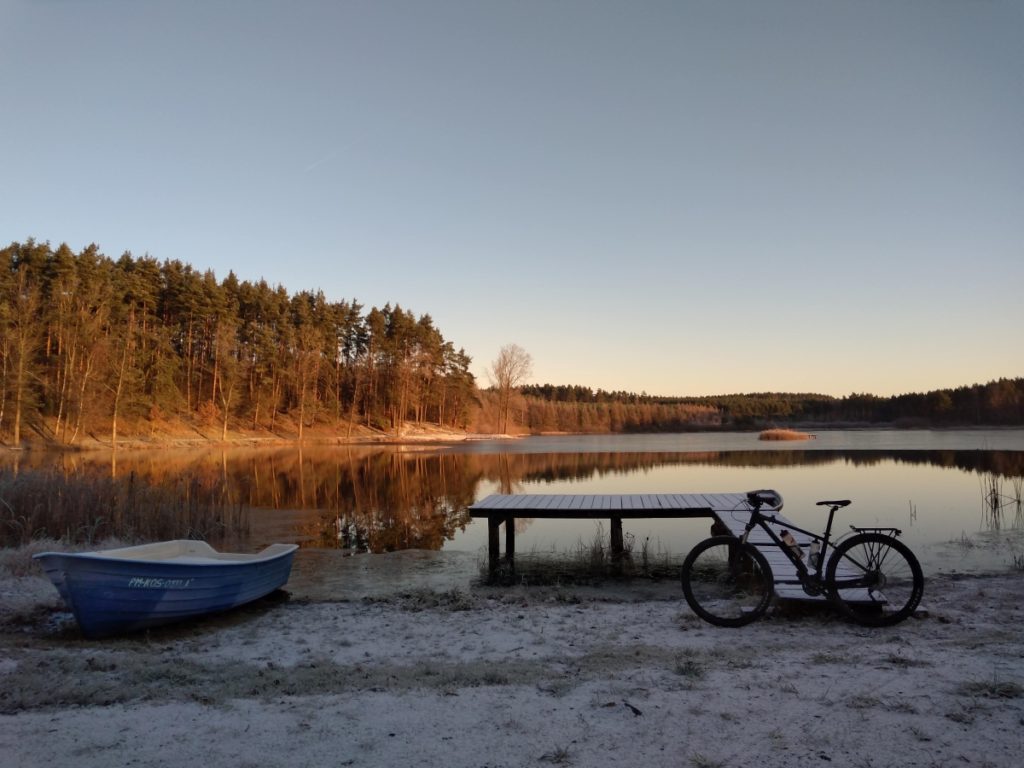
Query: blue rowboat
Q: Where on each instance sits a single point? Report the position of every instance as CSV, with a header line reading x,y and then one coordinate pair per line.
x,y
132,588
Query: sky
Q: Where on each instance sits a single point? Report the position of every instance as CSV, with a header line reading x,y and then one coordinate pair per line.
x,y
678,198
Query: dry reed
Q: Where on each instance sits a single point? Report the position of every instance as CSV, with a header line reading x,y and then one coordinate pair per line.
x,y
86,509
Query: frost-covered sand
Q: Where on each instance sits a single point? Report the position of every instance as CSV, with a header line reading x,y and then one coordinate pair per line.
x,y
619,676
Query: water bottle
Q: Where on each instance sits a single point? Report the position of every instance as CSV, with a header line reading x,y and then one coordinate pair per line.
x,y
814,555
790,542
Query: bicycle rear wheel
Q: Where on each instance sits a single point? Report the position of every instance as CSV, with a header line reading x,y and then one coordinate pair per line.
x,y
874,579
727,582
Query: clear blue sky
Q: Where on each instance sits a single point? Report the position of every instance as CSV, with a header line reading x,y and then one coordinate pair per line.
x,y
674,197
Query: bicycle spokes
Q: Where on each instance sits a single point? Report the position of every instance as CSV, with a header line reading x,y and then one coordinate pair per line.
x,y
726,582
875,579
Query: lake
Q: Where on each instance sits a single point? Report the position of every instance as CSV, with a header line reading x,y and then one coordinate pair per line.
x,y
397,514
931,484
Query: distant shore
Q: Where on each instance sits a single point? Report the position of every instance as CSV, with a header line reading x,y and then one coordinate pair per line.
x,y
196,438
416,434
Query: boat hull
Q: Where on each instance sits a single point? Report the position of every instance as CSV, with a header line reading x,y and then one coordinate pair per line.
x,y
132,589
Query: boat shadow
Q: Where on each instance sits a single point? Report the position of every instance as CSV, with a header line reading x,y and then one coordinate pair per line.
x,y
59,624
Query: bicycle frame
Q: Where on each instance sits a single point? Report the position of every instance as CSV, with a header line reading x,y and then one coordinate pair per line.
x,y
760,520
810,580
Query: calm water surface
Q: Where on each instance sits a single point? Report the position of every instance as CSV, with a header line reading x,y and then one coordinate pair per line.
x,y
931,484
384,518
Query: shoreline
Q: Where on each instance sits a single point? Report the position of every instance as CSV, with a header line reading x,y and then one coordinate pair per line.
x,y
419,435
519,677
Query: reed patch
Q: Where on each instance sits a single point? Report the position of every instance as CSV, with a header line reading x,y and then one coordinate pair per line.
x,y
784,434
73,509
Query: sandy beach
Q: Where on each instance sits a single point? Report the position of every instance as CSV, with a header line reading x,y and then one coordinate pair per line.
x,y
620,675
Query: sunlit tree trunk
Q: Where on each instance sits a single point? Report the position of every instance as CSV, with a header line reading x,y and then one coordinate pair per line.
x,y
225,369
122,376
83,384
4,356
25,330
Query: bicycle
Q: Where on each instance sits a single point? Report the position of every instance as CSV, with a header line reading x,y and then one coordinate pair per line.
x,y
871,577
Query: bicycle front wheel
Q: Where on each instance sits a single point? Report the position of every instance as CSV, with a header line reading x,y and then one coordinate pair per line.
x,y
874,579
727,582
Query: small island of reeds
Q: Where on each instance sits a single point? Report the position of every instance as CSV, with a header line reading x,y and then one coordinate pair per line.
x,y
784,434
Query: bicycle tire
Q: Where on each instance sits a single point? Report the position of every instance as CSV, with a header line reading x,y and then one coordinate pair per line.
x,y
891,582
727,582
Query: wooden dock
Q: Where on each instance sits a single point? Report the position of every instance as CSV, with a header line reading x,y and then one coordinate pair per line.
x,y
504,509
730,511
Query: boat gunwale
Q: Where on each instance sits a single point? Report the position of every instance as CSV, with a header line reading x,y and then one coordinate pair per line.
x,y
161,553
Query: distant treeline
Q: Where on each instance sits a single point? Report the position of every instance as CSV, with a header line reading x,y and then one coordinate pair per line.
x,y
538,414
88,343
998,403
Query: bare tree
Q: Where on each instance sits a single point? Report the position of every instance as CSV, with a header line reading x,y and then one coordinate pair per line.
x,y
513,366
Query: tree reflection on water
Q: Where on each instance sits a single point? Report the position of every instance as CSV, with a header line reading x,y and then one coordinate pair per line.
x,y
385,499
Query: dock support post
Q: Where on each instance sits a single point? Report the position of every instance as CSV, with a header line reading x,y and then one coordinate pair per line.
x,y
617,548
493,549
510,544
510,541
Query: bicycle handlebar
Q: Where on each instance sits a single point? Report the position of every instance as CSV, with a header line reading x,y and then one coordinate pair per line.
x,y
764,497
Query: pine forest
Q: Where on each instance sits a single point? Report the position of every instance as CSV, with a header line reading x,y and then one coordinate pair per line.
x,y
100,350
